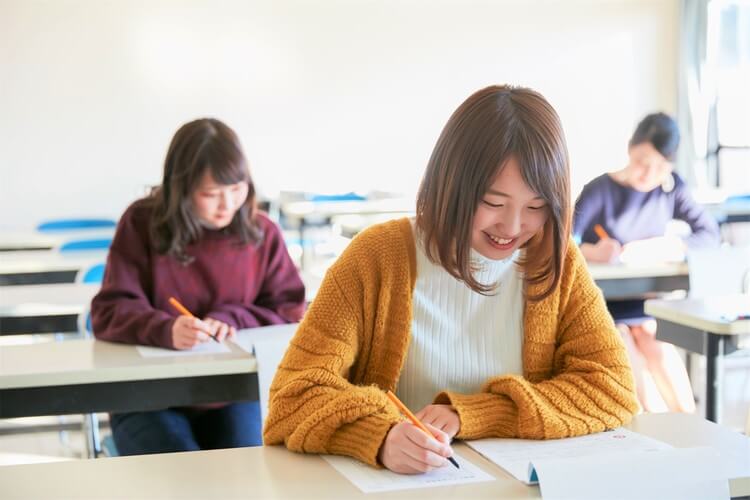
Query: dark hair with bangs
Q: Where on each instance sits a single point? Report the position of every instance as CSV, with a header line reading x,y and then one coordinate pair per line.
x,y
199,146
491,126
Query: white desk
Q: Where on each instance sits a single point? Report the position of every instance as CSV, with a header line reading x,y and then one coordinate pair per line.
x,y
302,210
43,308
15,241
629,281
36,267
701,326
307,213
88,376
273,472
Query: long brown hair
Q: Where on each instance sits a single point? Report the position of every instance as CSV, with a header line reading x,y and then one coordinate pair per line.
x,y
199,146
492,125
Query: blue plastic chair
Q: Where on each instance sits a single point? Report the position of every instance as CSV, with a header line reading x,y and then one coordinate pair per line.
x,y
94,274
75,224
351,196
86,244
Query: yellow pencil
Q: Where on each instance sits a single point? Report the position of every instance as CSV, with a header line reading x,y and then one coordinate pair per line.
x,y
414,420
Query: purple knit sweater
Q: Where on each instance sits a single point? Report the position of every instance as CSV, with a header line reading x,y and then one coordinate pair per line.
x,y
628,215
244,286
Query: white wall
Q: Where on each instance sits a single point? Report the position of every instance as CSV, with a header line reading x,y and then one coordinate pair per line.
x,y
326,95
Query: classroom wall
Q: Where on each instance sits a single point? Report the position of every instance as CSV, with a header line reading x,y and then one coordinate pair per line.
x,y
328,95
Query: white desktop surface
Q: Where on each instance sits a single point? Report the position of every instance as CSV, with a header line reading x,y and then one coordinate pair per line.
x,y
274,472
704,314
82,361
45,300
16,239
625,271
34,261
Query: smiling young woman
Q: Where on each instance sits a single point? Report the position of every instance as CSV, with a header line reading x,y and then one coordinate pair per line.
x,y
478,313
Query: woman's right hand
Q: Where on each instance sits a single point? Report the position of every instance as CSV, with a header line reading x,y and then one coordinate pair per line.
x,y
188,332
408,450
605,251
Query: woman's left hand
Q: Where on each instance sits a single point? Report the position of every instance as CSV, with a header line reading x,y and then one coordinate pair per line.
x,y
443,417
220,329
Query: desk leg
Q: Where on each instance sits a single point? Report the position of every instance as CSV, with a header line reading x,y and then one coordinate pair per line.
x,y
714,376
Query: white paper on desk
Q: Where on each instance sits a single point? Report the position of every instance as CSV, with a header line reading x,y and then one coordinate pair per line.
x,y
268,344
209,347
371,480
515,455
672,473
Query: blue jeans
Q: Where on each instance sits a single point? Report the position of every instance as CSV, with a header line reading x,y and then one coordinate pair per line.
x,y
187,429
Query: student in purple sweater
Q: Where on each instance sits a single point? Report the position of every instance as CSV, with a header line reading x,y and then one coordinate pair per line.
x,y
633,205
199,238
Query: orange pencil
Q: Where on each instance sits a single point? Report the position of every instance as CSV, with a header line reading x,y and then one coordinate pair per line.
x,y
184,311
600,232
414,420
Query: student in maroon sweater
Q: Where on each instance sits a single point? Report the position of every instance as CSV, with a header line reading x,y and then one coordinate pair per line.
x,y
198,237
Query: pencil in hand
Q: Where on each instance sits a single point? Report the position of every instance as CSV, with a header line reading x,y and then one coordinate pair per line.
x,y
414,420
600,232
184,311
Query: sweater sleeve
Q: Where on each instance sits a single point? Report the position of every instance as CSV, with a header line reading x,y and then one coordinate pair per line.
x,y
588,389
313,406
122,310
704,228
281,298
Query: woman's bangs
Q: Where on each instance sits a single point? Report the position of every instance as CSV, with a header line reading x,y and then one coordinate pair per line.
x,y
228,166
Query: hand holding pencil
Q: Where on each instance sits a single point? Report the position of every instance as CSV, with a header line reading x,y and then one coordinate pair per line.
x,y
189,331
414,448
607,249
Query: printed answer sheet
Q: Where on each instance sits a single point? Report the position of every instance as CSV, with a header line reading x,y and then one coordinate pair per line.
x,y
371,480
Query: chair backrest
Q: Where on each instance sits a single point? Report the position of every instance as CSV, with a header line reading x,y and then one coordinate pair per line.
x,y
719,271
85,244
75,224
94,274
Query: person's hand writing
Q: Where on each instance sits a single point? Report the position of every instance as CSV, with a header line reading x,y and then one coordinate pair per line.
x,y
188,332
443,417
220,329
606,250
408,450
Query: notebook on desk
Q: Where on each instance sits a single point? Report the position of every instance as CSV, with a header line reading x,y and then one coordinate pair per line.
x,y
614,464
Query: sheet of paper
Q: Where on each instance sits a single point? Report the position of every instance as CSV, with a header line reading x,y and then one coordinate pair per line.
x,y
371,480
209,347
514,455
268,344
673,473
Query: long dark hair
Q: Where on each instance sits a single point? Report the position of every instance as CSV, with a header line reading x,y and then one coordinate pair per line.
x,y
199,146
492,125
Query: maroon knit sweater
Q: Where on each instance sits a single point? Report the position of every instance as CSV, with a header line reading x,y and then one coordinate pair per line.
x,y
242,285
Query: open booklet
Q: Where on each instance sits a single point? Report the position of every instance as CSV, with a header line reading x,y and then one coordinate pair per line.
x,y
593,466
517,456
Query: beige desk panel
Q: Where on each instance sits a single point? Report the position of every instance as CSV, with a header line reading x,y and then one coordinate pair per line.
x,y
83,361
273,472
704,314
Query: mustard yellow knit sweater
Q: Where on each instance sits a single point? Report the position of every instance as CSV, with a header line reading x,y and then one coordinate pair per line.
x,y
328,394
